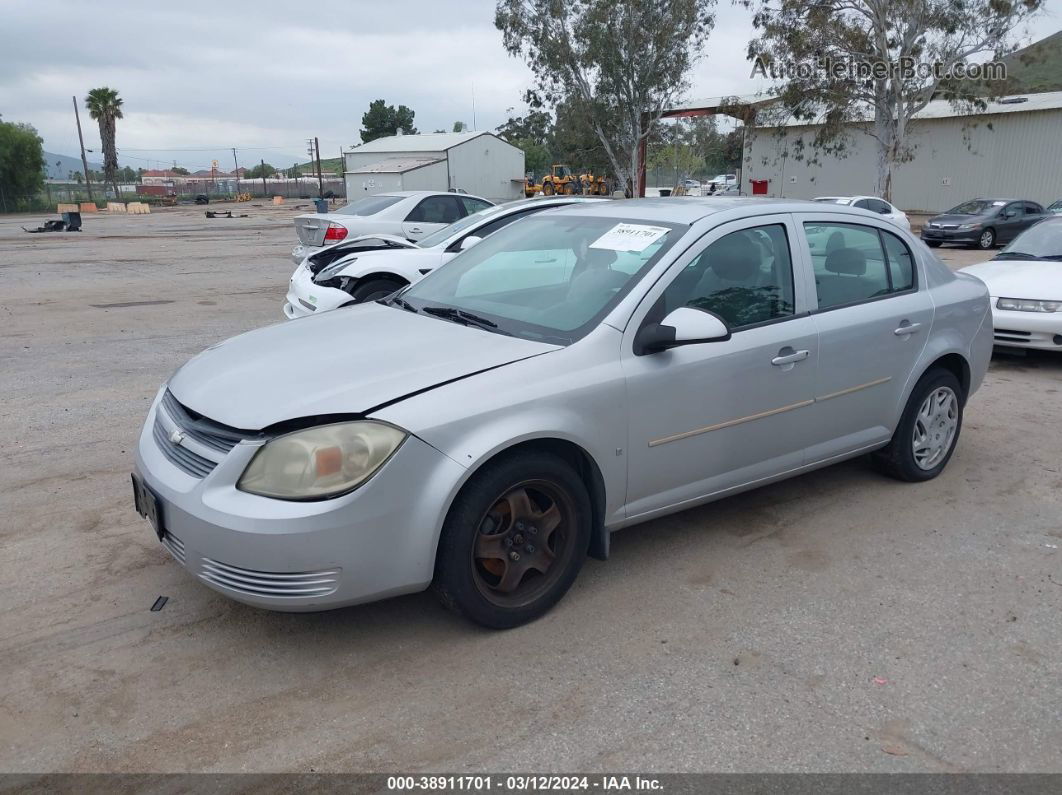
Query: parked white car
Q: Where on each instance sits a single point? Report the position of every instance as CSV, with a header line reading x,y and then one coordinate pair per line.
x,y
370,267
719,183
1025,283
872,203
403,213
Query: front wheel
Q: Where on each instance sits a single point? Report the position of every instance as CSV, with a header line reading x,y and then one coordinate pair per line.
x,y
374,290
987,239
547,189
514,540
928,430
933,243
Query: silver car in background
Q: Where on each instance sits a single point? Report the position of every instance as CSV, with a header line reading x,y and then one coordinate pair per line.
x,y
589,368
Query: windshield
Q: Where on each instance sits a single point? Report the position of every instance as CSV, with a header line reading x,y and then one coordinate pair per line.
x,y
1056,207
832,199
1041,240
444,234
549,277
975,207
370,205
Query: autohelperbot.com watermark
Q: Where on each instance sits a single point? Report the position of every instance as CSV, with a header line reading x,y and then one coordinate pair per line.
x,y
905,68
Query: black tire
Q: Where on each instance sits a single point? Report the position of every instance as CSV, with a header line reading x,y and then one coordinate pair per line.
x,y
933,243
471,585
987,239
547,189
374,289
898,458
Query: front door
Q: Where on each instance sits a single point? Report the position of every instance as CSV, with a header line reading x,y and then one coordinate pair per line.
x,y
432,214
1011,221
873,318
712,416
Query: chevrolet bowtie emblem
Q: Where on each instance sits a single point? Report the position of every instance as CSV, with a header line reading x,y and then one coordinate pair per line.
x,y
177,436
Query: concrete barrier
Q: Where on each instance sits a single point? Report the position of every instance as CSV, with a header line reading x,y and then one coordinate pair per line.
x,y
67,208
138,208
278,200
115,207
88,207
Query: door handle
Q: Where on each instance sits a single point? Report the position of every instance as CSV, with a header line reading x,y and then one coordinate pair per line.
x,y
907,328
790,358
414,230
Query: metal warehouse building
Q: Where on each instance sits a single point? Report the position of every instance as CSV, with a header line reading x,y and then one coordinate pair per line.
x,y
1013,148
479,163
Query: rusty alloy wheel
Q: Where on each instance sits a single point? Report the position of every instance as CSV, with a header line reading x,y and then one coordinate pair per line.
x,y
523,543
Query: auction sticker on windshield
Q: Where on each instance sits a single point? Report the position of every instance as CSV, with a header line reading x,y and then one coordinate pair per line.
x,y
630,237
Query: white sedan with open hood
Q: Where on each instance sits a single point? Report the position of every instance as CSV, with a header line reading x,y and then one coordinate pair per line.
x,y
408,214
1025,282
370,267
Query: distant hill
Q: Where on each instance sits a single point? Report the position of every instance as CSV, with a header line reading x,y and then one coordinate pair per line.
x,y
1036,68
62,166
329,165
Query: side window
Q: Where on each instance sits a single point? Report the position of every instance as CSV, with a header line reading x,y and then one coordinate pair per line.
x,y
1013,210
436,210
901,263
862,204
878,206
473,205
1031,208
851,265
745,278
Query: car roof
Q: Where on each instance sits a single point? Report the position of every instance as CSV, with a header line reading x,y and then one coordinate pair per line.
x,y
690,209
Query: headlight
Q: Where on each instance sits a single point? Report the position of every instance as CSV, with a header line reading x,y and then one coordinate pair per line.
x,y
332,269
1025,305
965,227
320,462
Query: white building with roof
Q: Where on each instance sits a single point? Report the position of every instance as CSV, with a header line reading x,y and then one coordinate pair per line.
x,y
1012,148
479,163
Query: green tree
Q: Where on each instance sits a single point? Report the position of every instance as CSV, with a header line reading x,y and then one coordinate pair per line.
x,y
105,106
622,61
127,174
460,126
259,171
887,40
184,172
381,120
21,164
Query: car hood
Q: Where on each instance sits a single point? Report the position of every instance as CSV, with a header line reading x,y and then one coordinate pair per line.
x,y
1020,278
956,219
364,261
343,362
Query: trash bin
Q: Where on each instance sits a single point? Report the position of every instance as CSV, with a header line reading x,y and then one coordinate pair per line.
x,y
322,205
664,192
72,221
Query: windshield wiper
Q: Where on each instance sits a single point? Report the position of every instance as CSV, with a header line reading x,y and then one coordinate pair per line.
x,y
459,315
400,302
1014,255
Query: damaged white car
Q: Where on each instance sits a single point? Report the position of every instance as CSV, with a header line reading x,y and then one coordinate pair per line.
x,y
369,267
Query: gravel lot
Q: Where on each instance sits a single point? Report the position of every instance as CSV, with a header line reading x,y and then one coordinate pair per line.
x,y
836,622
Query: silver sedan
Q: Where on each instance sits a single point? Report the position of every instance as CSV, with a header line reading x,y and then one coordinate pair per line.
x,y
588,368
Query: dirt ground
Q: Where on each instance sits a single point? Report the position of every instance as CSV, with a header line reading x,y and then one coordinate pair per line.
x,y
839,621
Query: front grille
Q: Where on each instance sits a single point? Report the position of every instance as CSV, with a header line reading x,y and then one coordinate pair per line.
x,y
1012,336
175,546
267,583
214,440
181,457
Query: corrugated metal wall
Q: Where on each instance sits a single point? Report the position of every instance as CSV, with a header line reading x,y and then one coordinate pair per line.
x,y
487,167
1020,156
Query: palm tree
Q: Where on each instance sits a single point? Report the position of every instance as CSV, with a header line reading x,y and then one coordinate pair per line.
x,y
105,106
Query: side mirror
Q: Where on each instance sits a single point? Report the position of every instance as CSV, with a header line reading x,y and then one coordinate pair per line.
x,y
683,326
469,241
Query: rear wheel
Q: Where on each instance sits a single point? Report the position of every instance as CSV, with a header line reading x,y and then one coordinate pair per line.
x,y
547,188
514,540
987,239
928,430
375,289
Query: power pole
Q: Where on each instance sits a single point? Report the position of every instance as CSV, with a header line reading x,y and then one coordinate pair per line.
x,y
320,179
236,173
84,159
264,192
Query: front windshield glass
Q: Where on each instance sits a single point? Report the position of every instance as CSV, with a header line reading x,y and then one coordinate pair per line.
x,y
444,234
549,277
832,200
370,205
1056,207
975,207
1042,240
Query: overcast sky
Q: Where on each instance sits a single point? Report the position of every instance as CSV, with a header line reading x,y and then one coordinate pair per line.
x,y
263,76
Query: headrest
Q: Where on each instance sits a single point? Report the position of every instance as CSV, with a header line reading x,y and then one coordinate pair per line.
x,y
850,261
734,258
834,242
599,258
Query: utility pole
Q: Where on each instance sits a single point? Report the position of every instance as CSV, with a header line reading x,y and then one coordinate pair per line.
x,y
84,159
264,192
236,173
320,179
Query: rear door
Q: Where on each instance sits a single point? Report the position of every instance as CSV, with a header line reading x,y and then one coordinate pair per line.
x,y
1034,213
431,214
873,315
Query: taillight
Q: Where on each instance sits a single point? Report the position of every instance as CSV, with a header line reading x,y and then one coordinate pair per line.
x,y
335,232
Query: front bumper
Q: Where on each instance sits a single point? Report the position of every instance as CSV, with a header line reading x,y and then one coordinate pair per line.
x,y
305,298
375,542
1041,330
951,235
